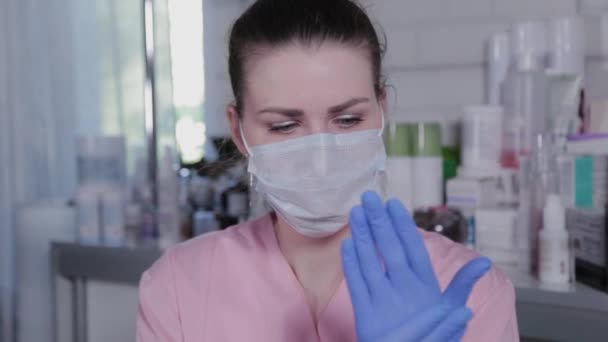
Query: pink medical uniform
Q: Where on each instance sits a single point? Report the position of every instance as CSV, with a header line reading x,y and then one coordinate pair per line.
x,y
235,285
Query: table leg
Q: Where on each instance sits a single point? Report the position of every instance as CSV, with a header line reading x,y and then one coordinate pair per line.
x,y
79,295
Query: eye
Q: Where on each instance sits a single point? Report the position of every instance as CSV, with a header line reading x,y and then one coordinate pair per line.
x,y
283,127
349,120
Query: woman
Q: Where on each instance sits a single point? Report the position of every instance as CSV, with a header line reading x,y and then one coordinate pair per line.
x,y
308,114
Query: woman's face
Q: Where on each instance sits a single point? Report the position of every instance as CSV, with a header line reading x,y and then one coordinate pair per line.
x,y
298,90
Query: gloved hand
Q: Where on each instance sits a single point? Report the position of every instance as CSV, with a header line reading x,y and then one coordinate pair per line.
x,y
403,303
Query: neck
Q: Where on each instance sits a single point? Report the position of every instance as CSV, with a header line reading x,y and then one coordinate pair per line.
x,y
319,257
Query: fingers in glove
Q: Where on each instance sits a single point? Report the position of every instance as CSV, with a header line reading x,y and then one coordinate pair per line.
x,y
420,325
459,290
369,264
359,293
387,240
415,248
452,326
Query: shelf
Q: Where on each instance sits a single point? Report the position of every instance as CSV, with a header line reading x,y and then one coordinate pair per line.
x,y
110,264
580,314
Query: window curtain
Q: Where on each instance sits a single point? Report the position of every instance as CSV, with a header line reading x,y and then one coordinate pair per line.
x,y
37,120
67,68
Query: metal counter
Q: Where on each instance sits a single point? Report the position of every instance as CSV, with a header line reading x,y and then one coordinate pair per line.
x,y
79,264
580,315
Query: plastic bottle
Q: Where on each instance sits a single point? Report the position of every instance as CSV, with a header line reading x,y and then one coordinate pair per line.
x,y
427,165
133,222
480,148
544,180
88,215
169,215
186,208
525,93
148,230
101,160
399,150
498,56
523,231
113,217
450,150
555,255
566,72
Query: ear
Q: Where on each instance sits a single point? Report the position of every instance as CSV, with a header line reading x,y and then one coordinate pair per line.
x,y
235,128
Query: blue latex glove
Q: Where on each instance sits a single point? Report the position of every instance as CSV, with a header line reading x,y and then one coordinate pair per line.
x,y
403,302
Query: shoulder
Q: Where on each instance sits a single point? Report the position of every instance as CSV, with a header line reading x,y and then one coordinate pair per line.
x,y
448,257
195,259
492,299
174,293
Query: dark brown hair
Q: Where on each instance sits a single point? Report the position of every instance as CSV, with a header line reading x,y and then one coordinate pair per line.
x,y
272,23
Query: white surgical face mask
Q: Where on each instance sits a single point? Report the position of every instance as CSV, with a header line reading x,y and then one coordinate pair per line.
x,y
312,182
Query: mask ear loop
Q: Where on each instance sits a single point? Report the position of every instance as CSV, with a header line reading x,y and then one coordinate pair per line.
x,y
383,122
249,154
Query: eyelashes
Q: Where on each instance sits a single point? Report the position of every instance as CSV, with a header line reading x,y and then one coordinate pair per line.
x,y
345,121
284,127
348,120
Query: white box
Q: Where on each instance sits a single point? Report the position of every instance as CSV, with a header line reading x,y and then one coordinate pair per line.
x,y
471,193
587,230
496,228
592,146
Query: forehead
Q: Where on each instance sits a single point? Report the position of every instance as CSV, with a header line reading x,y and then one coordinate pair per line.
x,y
307,75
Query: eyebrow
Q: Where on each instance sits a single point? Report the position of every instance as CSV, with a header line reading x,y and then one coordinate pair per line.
x,y
343,106
294,113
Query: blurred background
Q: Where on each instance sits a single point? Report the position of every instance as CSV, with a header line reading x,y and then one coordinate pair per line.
x,y
114,146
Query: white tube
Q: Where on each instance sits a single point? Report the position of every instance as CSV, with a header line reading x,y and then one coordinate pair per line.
x,y
525,105
528,38
498,56
566,71
567,46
